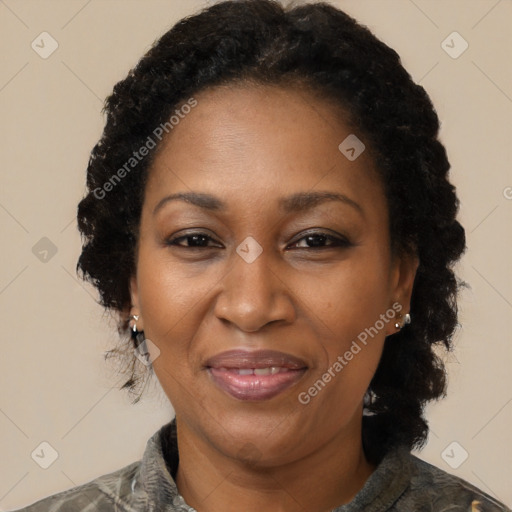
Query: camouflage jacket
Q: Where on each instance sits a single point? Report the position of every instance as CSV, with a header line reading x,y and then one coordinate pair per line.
x,y
401,483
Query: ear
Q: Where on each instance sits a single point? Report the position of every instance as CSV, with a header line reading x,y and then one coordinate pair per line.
x,y
403,274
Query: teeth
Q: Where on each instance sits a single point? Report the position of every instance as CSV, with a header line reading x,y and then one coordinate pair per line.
x,y
271,370
262,371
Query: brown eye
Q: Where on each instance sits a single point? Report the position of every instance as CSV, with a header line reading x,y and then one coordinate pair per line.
x,y
193,241
322,240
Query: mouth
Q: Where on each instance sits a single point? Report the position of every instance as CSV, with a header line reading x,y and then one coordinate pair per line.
x,y
255,375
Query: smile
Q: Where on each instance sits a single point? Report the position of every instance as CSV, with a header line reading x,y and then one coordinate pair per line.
x,y
255,383
255,375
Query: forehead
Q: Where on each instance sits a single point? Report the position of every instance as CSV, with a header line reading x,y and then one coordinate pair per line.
x,y
251,143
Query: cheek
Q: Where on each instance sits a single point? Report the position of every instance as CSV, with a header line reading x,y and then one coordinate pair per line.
x,y
354,294
171,305
171,302
354,304
169,291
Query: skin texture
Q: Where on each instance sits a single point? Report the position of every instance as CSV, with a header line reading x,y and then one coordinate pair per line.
x,y
250,146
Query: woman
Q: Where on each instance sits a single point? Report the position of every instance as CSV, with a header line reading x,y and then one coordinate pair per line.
x,y
269,214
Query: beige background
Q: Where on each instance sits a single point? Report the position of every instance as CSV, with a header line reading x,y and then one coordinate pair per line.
x,y
56,386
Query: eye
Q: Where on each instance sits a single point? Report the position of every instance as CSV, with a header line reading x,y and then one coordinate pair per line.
x,y
315,240
194,241
320,240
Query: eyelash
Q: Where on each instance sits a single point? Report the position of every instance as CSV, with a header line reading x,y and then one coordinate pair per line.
x,y
336,241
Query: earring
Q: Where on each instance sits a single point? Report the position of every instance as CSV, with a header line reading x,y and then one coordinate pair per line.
x,y
368,400
407,321
135,318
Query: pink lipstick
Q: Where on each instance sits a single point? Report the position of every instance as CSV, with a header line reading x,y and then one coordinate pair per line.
x,y
255,375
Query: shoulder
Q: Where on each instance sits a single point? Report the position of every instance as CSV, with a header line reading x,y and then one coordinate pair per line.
x,y
99,494
443,491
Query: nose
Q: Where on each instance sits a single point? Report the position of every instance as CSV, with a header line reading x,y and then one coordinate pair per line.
x,y
255,294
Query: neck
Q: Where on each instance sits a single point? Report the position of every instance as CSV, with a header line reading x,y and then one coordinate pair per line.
x,y
319,482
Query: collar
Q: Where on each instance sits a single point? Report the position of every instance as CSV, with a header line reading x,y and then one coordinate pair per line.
x,y
158,470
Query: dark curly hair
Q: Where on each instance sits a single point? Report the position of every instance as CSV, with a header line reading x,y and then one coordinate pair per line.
x,y
323,49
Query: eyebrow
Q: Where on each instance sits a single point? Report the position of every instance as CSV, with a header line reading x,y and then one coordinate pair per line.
x,y
290,204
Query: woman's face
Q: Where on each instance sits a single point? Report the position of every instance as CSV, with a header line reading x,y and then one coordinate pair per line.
x,y
263,263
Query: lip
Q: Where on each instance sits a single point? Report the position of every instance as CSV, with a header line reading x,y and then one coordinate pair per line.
x,y
223,370
241,359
